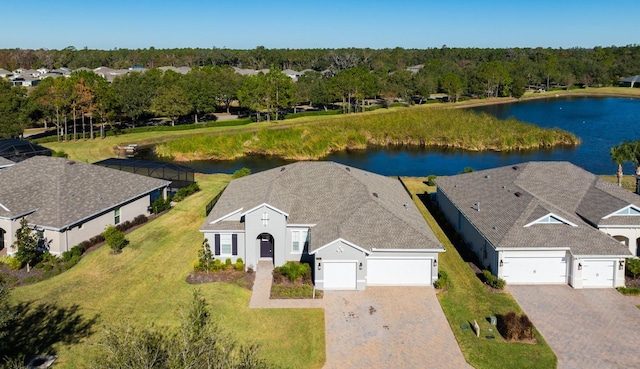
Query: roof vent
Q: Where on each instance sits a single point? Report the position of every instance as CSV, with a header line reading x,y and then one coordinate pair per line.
x,y
478,206
375,194
518,194
282,169
348,169
487,176
71,162
406,206
504,187
515,167
495,228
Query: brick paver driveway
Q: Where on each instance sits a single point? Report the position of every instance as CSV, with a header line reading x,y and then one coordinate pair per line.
x,y
588,328
388,327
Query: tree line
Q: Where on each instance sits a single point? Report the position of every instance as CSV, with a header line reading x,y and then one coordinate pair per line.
x,y
85,101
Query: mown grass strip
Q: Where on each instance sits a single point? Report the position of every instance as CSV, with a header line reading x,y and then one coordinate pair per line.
x,y
470,300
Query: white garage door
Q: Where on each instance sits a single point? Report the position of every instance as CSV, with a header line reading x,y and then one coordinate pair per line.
x,y
534,270
598,273
399,272
339,275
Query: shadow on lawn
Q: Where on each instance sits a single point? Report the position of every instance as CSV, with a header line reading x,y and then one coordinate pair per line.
x,y
467,255
35,329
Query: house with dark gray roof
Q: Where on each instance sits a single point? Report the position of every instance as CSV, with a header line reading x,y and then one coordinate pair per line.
x,y
633,81
544,223
70,202
354,227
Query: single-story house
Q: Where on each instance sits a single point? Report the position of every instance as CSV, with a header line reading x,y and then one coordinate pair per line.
x,y
354,227
544,223
633,81
70,202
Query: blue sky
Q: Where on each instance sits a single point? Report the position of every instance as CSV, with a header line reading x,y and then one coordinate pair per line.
x,y
327,24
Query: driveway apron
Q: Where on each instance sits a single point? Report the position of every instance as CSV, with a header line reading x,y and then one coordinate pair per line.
x,y
586,328
388,327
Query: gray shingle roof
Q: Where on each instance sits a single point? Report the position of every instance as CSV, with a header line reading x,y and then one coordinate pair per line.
x,y
343,202
63,192
513,196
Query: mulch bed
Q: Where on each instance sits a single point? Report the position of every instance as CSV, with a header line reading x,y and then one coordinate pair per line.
x,y
240,278
17,277
285,282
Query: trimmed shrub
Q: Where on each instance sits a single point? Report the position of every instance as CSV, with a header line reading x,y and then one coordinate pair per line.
x,y
294,270
115,238
493,280
228,263
430,179
218,265
239,265
140,219
14,264
633,267
160,205
443,281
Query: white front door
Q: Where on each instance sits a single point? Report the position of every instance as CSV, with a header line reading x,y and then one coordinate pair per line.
x,y
598,273
534,270
399,272
340,275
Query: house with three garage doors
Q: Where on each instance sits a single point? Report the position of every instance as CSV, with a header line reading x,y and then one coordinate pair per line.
x,y
354,227
544,223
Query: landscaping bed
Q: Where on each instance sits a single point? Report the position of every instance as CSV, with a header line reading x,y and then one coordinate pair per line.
x,y
293,281
237,277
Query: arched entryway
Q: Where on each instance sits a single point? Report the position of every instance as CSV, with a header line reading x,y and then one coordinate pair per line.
x,y
265,242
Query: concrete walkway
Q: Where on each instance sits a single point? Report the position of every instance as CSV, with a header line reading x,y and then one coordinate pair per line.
x,y
262,289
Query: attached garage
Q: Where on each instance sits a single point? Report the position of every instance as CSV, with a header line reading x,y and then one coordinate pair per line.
x,y
340,275
535,270
399,272
598,273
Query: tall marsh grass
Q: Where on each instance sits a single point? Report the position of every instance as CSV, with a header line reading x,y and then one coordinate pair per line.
x,y
452,128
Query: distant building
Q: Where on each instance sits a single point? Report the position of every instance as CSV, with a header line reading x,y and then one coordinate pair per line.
x,y
633,81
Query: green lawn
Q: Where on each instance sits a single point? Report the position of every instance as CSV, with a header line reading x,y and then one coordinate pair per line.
x,y
470,300
146,283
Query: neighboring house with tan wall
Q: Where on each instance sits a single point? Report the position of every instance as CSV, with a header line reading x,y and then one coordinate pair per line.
x,y
68,201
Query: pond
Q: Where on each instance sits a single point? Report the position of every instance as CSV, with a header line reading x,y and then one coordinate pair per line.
x,y
599,122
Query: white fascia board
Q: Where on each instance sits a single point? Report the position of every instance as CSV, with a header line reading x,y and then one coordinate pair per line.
x,y
625,215
602,257
551,215
533,249
367,252
407,250
226,216
267,205
301,225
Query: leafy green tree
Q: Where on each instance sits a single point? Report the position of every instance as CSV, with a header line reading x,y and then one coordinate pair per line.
x,y
29,249
13,110
242,172
278,91
495,75
452,85
135,91
201,91
251,94
227,84
115,239
171,101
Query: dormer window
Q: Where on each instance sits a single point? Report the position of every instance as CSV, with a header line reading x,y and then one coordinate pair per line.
x,y
628,211
551,219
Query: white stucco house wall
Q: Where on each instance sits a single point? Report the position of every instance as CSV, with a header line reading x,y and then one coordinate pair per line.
x,y
68,201
544,223
355,228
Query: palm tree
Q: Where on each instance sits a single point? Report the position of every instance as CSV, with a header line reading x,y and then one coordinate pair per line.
x,y
623,153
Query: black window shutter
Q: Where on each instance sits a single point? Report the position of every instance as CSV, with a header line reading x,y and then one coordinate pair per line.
x,y
234,244
217,244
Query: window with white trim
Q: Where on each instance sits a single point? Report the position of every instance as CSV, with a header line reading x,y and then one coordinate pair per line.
x,y
116,219
549,219
298,240
225,244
